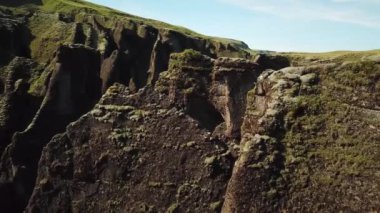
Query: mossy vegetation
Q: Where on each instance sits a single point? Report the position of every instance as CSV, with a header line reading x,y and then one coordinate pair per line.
x,y
332,139
47,31
38,81
138,114
78,6
190,60
120,135
216,206
326,120
188,55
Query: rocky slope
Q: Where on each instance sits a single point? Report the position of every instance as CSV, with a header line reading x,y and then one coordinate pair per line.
x,y
101,111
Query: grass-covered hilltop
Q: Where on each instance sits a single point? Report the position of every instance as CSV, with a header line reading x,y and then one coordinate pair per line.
x,y
102,111
57,16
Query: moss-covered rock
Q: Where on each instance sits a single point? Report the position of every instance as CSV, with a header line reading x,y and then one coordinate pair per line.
x,y
309,146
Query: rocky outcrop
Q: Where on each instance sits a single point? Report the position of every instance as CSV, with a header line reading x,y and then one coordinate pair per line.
x,y
123,151
210,89
120,155
179,131
137,42
70,83
257,181
132,152
232,79
74,88
294,154
18,106
142,50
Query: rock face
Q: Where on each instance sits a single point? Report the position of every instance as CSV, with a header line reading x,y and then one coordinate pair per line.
x,y
170,148
142,51
101,111
152,144
294,154
74,88
75,57
17,105
112,70
257,178
212,91
132,154
232,79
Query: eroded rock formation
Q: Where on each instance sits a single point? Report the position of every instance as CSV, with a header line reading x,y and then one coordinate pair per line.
x,y
17,105
177,130
62,82
128,124
74,88
121,153
132,152
210,89
294,139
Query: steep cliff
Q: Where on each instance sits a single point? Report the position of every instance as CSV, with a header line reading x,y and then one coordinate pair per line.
x,y
156,150
73,51
102,111
310,141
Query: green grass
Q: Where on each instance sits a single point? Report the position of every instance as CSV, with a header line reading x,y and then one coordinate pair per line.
x,y
302,58
77,6
48,32
81,8
48,36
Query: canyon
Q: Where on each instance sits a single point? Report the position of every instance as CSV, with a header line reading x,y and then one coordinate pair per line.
x,y
102,111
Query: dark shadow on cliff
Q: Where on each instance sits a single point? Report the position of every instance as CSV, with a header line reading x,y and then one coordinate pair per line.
x,y
74,88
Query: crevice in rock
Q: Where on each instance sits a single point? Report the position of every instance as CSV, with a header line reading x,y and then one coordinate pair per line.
x,y
204,112
257,177
1,87
113,70
159,60
79,35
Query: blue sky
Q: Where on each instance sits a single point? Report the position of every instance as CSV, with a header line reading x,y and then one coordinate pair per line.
x,y
280,25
